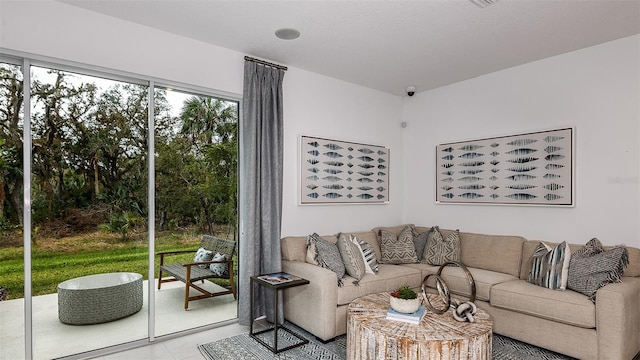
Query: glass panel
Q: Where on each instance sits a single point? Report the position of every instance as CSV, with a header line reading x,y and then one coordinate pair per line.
x,y
196,147
89,211
11,206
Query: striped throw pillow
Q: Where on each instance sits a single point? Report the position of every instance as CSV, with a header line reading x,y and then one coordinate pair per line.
x,y
369,256
550,266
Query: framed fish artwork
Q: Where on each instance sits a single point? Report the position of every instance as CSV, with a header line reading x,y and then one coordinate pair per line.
x,y
535,168
335,172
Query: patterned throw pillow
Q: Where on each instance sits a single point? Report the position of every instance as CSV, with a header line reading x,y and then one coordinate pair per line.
x,y
203,255
592,267
419,242
550,266
440,250
369,256
219,269
397,249
326,255
351,256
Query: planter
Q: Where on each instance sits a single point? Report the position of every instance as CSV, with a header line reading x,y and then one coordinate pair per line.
x,y
404,305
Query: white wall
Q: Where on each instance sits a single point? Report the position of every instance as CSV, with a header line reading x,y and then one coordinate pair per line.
x,y
328,108
314,104
596,89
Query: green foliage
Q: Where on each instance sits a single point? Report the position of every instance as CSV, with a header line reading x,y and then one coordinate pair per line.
x,y
404,292
121,223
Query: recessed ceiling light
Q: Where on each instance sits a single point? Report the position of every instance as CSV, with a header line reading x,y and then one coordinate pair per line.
x,y
287,34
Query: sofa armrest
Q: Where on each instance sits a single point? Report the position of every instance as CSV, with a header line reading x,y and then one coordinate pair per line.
x,y
313,306
618,319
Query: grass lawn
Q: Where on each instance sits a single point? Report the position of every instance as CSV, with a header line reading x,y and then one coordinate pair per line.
x,y
57,260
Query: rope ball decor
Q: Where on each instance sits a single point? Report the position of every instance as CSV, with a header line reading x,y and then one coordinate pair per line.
x,y
462,311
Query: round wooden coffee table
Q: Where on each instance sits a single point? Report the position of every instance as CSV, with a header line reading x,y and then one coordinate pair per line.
x,y
371,336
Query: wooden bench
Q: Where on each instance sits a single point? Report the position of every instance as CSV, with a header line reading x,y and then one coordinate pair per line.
x,y
191,272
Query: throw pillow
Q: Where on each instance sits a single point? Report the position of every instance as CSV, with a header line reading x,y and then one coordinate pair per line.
x,y
441,250
369,256
219,269
203,255
326,255
419,242
592,267
397,249
351,257
550,266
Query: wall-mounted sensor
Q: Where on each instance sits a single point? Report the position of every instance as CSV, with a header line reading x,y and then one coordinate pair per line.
x,y
411,89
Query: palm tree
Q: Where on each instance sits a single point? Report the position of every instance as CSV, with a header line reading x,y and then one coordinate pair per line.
x,y
202,116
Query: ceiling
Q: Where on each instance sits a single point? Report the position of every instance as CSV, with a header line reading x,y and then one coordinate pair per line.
x,y
387,45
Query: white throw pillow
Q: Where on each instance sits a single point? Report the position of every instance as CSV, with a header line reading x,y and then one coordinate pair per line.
x,y
218,268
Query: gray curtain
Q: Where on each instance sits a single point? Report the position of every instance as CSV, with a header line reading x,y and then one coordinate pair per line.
x,y
260,186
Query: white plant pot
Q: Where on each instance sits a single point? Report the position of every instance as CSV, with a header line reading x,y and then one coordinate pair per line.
x,y
404,305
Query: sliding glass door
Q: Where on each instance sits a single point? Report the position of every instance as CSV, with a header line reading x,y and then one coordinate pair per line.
x,y
118,169
196,147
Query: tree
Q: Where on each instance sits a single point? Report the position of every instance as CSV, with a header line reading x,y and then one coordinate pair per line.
x,y
11,99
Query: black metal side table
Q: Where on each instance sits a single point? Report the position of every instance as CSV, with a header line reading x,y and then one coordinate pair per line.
x,y
275,286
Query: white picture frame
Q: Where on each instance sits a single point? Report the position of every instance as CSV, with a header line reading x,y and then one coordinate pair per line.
x,y
535,168
343,172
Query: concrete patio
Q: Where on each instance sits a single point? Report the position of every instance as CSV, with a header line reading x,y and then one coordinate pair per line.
x,y
53,339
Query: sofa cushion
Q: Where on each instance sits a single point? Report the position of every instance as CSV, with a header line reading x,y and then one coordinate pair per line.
x,y
568,307
592,267
389,278
440,249
397,249
351,256
479,251
458,284
294,248
550,266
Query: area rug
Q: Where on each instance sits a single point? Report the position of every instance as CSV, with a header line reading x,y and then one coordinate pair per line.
x,y
244,347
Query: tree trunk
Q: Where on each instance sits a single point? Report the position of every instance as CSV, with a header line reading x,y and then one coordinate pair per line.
x,y
2,194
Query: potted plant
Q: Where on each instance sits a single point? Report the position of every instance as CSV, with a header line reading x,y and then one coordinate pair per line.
x,y
404,300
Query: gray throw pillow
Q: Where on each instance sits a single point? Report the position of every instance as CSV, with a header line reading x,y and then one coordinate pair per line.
x,y
419,242
326,255
351,256
397,249
440,250
592,267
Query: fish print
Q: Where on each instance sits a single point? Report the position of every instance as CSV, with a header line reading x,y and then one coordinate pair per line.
x,y
333,146
521,142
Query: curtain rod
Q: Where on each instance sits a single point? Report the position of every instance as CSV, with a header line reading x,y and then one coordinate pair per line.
x,y
249,58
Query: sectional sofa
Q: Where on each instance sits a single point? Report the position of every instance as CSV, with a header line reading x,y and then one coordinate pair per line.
x,y
564,321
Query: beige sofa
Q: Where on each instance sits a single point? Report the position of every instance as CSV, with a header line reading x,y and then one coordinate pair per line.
x,y
563,321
